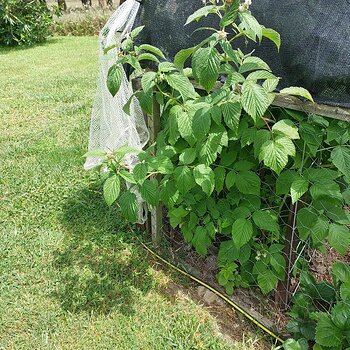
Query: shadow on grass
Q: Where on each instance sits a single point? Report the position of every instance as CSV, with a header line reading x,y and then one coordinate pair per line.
x,y
8,49
101,266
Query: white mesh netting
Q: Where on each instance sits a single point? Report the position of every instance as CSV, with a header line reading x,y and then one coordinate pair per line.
x,y
111,127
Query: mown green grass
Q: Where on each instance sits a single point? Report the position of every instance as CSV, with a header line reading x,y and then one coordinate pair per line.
x,y
72,275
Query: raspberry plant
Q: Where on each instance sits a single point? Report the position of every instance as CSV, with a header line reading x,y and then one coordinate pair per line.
x,y
230,163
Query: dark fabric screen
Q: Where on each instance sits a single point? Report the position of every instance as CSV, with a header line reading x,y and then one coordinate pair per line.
x,y
315,51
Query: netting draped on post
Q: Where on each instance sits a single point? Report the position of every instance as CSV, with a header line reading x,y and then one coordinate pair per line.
x,y
111,127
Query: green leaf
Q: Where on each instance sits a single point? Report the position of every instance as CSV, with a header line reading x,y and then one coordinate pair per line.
x,y
206,67
135,32
128,206
242,232
184,179
173,128
169,193
228,252
182,84
248,182
220,174
147,57
261,75
273,36
306,220
251,26
297,91
181,57
201,241
149,192
201,123
266,220
202,12
253,63
111,189
232,113
211,147
140,172
166,67
299,187
188,156
114,78
327,333
146,101
339,238
341,271
153,49
313,136
284,181
204,177
231,14
230,179
270,85
128,177
340,157
267,281
176,216
254,99
147,81
287,128
260,138
275,153
184,122
278,264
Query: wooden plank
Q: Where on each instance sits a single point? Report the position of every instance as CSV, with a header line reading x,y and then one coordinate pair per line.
x,y
295,103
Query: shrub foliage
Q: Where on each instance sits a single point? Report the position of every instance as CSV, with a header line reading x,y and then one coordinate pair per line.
x,y
24,22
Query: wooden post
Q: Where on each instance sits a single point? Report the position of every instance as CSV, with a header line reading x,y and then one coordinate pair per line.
x,y
156,216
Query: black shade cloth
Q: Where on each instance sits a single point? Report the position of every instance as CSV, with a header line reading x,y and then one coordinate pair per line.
x,y
315,51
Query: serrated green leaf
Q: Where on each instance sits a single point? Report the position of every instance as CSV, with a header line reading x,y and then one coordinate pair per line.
x,y
260,138
201,241
184,179
220,174
204,177
182,84
201,123
209,150
248,182
202,12
140,172
275,153
341,271
267,281
339,238
299,187
327,333
169,193
297,91
252,63
230,14
128,206
114,78
272,35
184,122
270,85
251,26
232,113
261,75
188,156
340,157
266,220
173,127
146,56
230,179
242,232
111,189
254,99
206,67
95,153
147,81
228,253
306,220
128,177
181,57
152,49
149,192
287,128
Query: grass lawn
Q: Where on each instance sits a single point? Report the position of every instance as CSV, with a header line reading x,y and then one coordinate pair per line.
x,y
72,275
